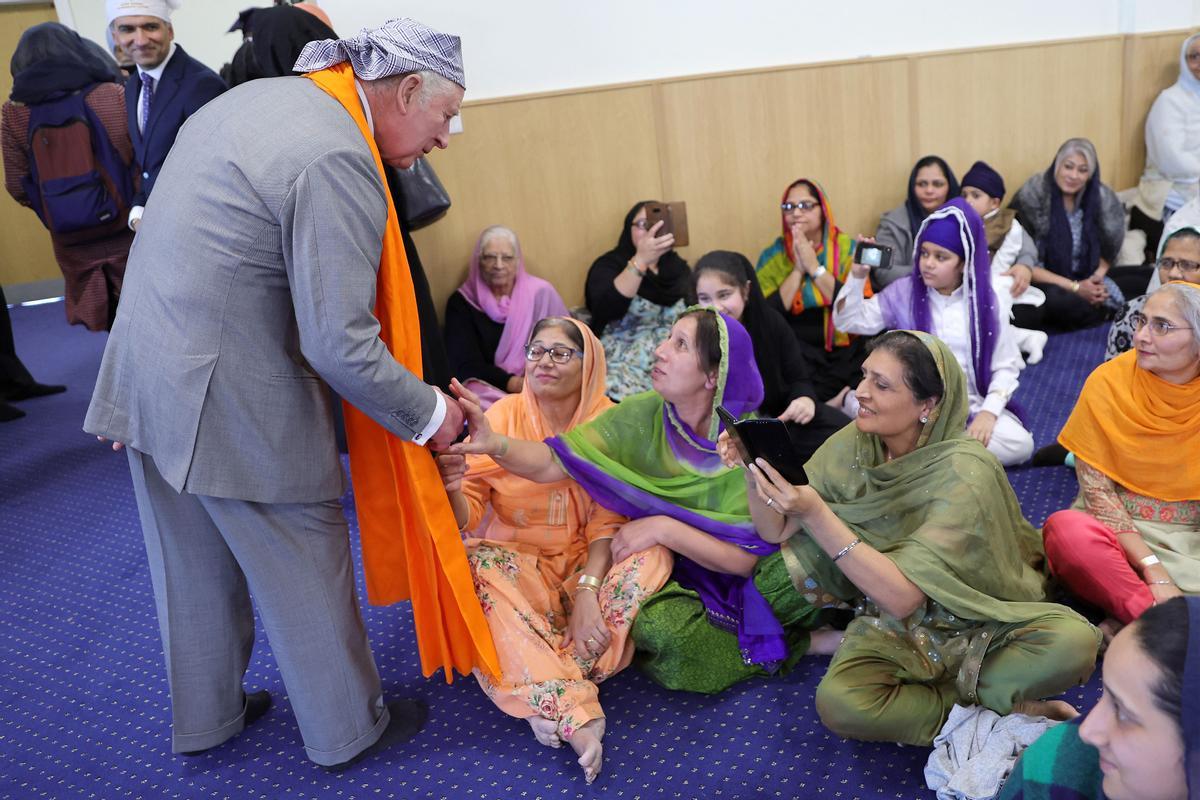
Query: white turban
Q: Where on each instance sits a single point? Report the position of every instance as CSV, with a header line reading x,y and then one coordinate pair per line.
x,y
141,8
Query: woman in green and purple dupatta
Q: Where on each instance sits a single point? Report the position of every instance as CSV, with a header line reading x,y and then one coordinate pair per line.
x,y
653,458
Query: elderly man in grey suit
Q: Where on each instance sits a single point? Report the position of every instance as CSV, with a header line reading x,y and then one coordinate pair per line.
x,y
251,285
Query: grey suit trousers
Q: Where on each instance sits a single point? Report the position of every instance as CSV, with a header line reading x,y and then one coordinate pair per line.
x,y
207,556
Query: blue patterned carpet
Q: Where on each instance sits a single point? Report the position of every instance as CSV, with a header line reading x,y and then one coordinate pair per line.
x,y
83,695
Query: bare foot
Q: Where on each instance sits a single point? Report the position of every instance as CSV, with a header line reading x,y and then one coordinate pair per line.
x,y
836,400
1050,709
825,641
545,731
586,742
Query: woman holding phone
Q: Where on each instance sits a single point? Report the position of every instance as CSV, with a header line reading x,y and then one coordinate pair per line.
x,y
653,458
911,520
949,293
634,292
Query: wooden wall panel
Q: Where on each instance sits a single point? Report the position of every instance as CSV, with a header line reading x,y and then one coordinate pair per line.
x,y
1013,107
25,253
1151,65
732,144
561,171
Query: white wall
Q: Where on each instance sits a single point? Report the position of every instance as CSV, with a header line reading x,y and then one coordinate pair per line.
x,y
523,46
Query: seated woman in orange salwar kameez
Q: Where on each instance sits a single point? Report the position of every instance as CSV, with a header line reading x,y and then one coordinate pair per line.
x,y
559,610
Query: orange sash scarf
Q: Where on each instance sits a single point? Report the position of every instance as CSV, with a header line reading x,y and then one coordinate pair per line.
x,y
1139,430
410,541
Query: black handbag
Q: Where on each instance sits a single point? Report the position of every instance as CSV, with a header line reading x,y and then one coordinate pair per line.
x,y
422,198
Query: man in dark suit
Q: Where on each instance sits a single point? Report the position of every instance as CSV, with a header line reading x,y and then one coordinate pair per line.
x,y
167,87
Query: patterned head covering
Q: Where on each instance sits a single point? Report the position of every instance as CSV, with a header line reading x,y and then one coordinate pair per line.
x,y
396,47
140,8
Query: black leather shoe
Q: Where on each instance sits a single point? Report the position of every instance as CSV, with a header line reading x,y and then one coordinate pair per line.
x,y
33,390
408,717
256,705
1052,455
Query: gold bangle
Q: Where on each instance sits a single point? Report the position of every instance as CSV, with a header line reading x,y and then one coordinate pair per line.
x,y
632,265
585,587
1075,287
590,581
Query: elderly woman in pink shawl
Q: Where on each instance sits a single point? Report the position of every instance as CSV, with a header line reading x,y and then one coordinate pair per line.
x,y
488,320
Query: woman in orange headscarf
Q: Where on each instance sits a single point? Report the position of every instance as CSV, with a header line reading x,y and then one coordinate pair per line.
x,y
1132,539
559,610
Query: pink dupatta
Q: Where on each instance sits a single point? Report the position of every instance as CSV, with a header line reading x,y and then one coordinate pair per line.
x,y
532,299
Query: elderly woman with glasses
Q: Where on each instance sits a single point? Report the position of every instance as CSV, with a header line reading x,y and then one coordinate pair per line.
x,y
488,319
1178,260
1132,538
800,273
541,554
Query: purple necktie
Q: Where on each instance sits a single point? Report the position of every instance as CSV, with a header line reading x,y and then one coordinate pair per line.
x,y
148,94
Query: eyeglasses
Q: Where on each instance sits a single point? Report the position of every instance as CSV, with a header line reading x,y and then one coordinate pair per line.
x,y
1168,264
1158,327
1193,56
559,355
642,224
496,258
803,205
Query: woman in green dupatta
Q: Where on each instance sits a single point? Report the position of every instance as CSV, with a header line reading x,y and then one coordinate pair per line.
x,y
915,522
653,458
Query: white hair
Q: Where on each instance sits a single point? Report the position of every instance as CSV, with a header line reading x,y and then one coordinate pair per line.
x,y
432,84
498,231
1187,302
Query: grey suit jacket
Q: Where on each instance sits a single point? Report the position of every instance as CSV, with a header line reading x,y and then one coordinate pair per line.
x,y
251,279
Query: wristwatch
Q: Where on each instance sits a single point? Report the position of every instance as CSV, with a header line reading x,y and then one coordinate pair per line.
x,y
820,271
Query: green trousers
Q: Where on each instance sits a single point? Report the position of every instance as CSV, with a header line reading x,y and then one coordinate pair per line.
x,y
680,649
881,688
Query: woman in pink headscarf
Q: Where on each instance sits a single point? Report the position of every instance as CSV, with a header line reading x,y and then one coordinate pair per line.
x,y
488,320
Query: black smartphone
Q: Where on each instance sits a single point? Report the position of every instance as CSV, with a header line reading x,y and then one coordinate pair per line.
x,y
768,439
875,256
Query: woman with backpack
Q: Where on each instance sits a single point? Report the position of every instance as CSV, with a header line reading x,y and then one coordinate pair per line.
x,y
67,155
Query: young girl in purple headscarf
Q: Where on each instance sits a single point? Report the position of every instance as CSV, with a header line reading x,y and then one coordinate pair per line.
x,y
949,294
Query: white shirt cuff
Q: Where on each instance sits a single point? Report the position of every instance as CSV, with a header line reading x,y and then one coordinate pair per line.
x,y
135,214
995,403
435,421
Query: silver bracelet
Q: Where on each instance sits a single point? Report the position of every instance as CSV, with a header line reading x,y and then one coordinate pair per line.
x,y
842,553
1160,583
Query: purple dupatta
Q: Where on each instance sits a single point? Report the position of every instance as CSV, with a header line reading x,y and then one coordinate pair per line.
x,y
674,465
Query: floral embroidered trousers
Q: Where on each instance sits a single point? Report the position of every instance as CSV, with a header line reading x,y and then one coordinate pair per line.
x,y
528,614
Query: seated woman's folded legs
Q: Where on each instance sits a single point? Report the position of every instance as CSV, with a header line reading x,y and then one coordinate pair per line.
x,y
1037,659
880,687
527,619
1085,555
679,648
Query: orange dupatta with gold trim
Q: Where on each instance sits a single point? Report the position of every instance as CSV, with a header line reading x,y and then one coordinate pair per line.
x,y
410,540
